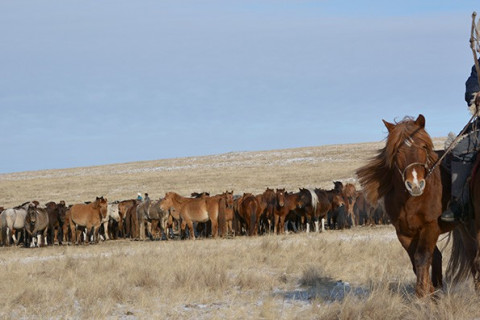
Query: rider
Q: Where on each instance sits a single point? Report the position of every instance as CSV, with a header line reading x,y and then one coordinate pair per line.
x,y
464,153
139,197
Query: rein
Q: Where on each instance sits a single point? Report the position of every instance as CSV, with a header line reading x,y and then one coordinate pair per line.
x,y
439,160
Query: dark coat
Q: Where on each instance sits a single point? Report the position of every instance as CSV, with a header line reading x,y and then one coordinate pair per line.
x,y
471,86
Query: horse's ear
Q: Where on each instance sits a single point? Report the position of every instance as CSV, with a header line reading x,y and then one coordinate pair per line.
x,y
389,125
420,121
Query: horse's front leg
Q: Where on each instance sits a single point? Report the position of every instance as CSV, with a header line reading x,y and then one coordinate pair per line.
x,y
423,260
214,227
105,230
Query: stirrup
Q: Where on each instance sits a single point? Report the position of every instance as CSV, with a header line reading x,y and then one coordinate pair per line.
x,y
448,216
454,212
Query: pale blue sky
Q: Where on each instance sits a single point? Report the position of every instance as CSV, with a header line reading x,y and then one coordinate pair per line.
x,y
97,82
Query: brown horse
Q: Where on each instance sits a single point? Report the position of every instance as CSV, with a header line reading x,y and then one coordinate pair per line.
x,y
400,174
56,219
90,216
123,207
247,209
323,207
226,214
350,196
268,201
465,255
131,222
286,202
192,210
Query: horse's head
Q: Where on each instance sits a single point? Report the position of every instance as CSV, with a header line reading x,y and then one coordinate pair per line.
x,y
338,186
31,217
166,204
409,152
102,204
229,199
280,197
304,198
337,201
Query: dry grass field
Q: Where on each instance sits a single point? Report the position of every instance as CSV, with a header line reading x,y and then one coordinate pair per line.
x,y
361,273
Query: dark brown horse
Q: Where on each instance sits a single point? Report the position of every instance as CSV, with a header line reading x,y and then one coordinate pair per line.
x,y
267,201
323,207
247,209
131,222
400,174
56,219
465,255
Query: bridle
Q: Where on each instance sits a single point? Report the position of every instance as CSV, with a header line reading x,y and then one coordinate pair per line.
x,y
424,165
409,142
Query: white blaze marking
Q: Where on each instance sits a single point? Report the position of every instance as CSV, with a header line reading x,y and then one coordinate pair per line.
x,y
415,179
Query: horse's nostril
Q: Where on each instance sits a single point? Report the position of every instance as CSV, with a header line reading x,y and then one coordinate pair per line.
x,y
422,184
409,185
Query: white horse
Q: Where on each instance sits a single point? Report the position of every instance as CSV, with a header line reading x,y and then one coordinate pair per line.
x,y
11,220
112,213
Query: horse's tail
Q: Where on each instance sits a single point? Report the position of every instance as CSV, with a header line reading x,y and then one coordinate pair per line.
x,y
464,248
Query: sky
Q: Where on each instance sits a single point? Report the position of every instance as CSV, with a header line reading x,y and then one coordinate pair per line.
x,y
87,82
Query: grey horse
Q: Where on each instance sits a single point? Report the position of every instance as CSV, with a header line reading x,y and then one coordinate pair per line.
x,y
36,225
12,220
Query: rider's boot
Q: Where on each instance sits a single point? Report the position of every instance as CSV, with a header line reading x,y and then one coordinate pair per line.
x,y
457,206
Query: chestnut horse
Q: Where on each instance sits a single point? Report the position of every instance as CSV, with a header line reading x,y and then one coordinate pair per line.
x,y
350,196
286,202
267,201
90,216
225,214
247,210
192,210
401,173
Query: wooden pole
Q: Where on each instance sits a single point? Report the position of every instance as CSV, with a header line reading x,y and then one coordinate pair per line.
x,y
474,45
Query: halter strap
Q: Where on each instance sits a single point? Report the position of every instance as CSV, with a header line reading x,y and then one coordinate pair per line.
x,y
425,165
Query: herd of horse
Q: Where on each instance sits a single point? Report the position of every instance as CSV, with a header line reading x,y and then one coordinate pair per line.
x,y
404,184
175,216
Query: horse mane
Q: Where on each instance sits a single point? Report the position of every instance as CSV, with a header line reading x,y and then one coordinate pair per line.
x,y
376,176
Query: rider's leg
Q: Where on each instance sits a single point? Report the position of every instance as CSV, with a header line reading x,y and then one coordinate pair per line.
x,y
463,157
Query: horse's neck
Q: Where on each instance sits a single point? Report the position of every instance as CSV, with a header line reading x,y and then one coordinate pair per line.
x,y
291,200
180,200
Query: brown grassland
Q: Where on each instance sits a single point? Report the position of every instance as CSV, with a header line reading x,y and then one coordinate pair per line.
x,y
361,273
